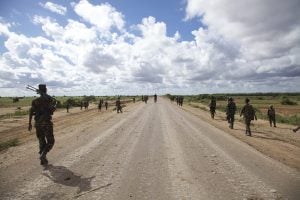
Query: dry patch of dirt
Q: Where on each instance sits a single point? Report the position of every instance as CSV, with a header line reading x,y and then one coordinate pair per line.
x,y
16,127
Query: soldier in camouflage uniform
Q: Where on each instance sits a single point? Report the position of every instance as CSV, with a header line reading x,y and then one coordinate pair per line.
x,y
230,112
42,109
212,107
100,105
106,105
271,116
249,114
118,105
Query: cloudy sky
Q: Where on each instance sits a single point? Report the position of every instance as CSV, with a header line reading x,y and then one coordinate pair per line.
x,y
140,46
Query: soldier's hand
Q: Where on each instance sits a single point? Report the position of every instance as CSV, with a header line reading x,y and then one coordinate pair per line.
x,y
29,127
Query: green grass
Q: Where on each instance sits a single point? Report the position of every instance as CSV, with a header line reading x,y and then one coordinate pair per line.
x,y
17,113
8,144
8,102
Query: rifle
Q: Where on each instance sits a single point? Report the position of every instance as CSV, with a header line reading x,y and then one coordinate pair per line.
x,y
43,94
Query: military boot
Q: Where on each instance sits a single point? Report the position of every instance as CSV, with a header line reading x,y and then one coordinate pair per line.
x,y
43,158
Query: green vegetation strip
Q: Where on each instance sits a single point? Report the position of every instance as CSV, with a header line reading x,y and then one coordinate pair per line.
x,y
15,114
9,143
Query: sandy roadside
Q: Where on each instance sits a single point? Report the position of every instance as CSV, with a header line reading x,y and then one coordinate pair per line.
x,y
278,143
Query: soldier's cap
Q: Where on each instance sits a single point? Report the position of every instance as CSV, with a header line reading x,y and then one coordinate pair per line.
x,y
42,87
271,106
230,99
247,100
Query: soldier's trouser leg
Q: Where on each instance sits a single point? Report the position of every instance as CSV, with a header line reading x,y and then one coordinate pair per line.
x,y
41,137
46,137
247,121
274,121
270,120
231,121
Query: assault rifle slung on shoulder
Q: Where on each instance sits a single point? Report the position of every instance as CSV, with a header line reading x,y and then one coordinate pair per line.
x,y
43,94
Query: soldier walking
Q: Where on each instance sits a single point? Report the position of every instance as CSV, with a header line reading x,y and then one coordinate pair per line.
x,y
230,112
146,98
212,107
249,114
42,109
180,100
155,98
271,116
100,105
68,107
106,105
118,105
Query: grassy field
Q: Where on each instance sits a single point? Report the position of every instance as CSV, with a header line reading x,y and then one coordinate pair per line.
x,y
10,108
287,106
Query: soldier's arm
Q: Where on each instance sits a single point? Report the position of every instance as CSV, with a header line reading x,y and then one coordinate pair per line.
x,y
31,113
242,111
254,114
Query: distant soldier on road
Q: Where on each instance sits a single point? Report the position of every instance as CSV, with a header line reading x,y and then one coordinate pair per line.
x,y
68,106
133,99
86,105
249,114
42,109
101,101
146,98
118,105
180,100
155,98
230,112
81,105
212,107
106,104
271,116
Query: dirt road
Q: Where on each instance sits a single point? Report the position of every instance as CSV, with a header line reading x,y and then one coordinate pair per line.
x,y
151,151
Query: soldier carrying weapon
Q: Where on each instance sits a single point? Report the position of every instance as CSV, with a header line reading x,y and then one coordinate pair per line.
x,y
212,107
42,109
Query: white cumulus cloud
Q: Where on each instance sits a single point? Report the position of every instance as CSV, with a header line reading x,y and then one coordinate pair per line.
x,y
104,16
240,49
54,8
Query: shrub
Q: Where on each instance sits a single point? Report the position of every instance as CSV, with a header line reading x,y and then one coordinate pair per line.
x,y
287,101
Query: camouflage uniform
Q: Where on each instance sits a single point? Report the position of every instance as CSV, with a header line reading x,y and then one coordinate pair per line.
x,y
100,105
42,109
249,114
118,105
68,107
212,107
106,105
271,116
230,112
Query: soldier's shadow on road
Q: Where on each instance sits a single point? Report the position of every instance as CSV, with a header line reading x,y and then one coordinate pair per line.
x,y
64,176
